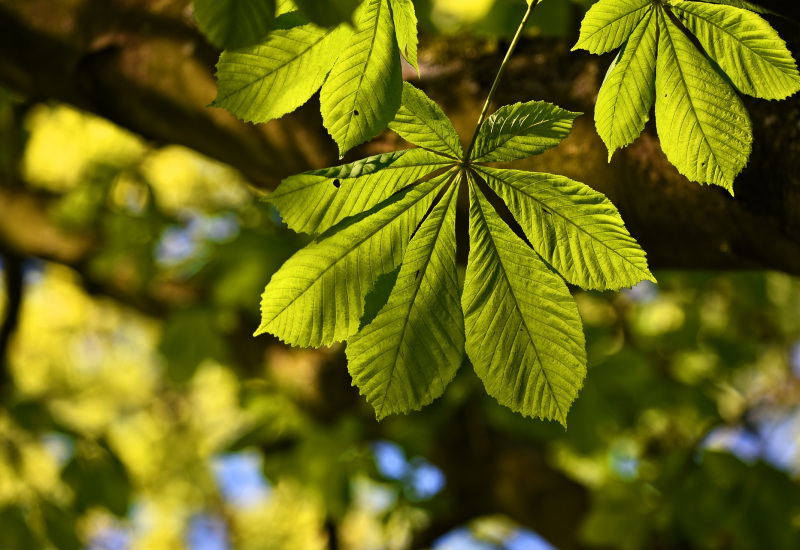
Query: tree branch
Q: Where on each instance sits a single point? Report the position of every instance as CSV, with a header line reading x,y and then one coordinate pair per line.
x,y
14,290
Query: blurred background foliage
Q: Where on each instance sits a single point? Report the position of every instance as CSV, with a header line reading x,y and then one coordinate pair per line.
x,y
138,413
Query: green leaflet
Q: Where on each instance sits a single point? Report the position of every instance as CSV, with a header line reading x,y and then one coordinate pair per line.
x,y
315,201
284,6
266,81
328,13
628,93
405,24
317,297
574,228
746,47
523,332
405,358
421,121
521,130
363,91
704,128
234,23
608,24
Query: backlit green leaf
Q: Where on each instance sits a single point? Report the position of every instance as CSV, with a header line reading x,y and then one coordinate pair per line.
x,y
608,24
628,93
521,130
524,334
421,121
317,297
576,229
704,128
313,202
747,48
263,82
405,358
363,91
405,24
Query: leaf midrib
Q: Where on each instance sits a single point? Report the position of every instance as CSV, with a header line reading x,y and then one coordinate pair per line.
x,y
736,38
441,136
421,277
363,74
348,251
326,179
280,68
613,22
679,68
510,137
630,62
517,302
563,217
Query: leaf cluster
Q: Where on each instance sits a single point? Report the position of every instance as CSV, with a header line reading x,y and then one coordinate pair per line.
x,y
381,271
349,50
395,214
688,59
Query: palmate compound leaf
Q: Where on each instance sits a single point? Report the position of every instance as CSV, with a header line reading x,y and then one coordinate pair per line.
x,y
628,92
523,335
234,23
574,228
745,46
317,297
521,130
359,70
266,81
523,331
608,23
363,90
313,202
405,358
704,129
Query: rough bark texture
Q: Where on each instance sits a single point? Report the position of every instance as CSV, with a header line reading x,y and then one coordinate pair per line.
x,y
141,64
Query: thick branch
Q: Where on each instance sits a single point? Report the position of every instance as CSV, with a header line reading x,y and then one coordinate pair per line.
x,y
142,65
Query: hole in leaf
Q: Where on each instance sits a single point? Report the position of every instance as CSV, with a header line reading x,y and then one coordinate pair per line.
x,y
356,112
337,184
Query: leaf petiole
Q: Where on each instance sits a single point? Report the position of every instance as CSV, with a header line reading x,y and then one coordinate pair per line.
x,y
531,6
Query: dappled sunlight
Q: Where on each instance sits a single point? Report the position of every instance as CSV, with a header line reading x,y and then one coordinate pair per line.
x,y
105,359
64,142
183,180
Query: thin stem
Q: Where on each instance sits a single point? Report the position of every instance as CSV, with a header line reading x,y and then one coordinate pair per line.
x,y
500,72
